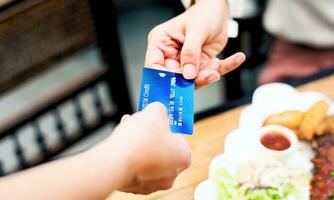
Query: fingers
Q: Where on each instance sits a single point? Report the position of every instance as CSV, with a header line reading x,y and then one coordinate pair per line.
x,y
172,65
214,64
209,74
154,57
143,190
150,186
156,109
231,63
216,68
156,114
206,77
164,184
191,52
162,45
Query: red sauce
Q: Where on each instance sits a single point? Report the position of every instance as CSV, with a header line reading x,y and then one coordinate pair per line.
x,y
275,141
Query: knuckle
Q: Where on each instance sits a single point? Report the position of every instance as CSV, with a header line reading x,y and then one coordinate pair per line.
x,y
185,156
153,32
186,161
166,185
146,191
150,35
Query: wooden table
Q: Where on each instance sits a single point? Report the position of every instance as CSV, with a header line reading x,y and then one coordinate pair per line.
x,y
207,142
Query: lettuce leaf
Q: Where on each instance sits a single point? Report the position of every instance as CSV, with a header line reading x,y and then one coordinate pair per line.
x,y
229,188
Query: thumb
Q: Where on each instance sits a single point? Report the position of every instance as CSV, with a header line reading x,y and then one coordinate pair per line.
x,y
157,114
157,108
191,51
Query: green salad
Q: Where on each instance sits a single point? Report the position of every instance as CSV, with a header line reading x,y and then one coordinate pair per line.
x,y
266,180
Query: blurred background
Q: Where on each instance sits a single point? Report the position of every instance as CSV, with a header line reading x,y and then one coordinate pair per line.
x,y
69,69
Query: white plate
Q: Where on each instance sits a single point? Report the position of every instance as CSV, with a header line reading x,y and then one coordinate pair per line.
x,y
240,144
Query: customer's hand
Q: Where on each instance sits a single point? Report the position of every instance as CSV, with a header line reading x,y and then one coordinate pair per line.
x,y
140,156
153,154
190,42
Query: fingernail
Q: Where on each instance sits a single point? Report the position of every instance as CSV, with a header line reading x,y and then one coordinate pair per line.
x,y
189,71
213,78
240,58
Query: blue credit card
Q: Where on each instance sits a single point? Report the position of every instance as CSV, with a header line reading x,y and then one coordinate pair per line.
x,y
172,90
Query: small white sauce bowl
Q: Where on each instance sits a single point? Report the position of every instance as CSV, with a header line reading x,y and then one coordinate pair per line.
x,y
281,154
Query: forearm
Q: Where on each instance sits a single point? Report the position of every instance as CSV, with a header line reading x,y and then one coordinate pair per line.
x,y
86,176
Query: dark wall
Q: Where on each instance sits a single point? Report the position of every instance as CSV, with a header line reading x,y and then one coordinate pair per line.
x,y
123,5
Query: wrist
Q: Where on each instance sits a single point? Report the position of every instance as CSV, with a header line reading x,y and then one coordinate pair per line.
x,y
112,162
218,5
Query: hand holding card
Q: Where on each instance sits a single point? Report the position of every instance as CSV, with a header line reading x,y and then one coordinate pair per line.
x,y
172,90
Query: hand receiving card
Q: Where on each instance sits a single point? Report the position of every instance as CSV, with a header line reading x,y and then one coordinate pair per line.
x,y
172,90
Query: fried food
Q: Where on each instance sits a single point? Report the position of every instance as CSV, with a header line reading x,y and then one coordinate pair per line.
x,y
313,118
327,126
289,119
299,134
